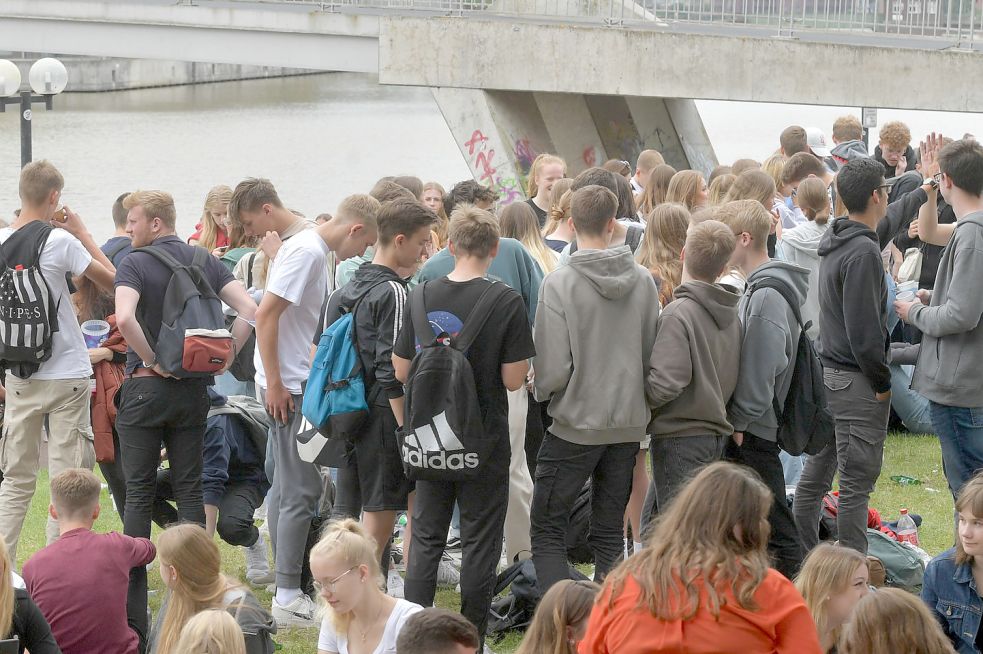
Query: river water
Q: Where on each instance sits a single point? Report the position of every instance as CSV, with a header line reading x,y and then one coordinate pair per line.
x,y
319,138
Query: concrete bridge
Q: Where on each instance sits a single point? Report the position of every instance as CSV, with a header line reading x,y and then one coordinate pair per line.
x,y
588,79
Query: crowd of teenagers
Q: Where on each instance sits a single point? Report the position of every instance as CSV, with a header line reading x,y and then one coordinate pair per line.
x,y
634,335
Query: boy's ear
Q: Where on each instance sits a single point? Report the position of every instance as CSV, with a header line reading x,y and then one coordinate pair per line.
x,y
52,512
95,512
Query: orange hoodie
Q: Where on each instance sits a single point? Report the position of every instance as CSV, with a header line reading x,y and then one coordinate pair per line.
x,y
781,625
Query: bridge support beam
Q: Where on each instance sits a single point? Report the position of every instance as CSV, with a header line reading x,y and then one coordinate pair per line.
x,y
499,133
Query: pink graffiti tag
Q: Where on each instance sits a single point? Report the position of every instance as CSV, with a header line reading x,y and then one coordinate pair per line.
x,y
590,156
477,139
524,152
483,164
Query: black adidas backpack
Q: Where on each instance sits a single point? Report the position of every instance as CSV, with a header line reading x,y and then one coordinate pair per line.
x,y
443,437
28,312
805,423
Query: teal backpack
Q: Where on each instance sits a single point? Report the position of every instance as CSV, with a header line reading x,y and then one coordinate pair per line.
x,y
902,566
334,399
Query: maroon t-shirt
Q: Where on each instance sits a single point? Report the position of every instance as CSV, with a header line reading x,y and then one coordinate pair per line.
x,y
79,582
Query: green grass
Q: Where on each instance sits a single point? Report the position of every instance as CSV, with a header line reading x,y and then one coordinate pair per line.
x,y
915,456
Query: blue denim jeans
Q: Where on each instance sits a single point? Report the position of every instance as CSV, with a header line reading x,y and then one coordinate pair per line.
x,y
911,406
960,432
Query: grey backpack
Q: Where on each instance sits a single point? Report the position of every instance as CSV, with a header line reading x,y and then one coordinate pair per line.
x,y
193,340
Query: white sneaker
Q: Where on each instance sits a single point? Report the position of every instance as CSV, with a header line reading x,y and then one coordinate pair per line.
x,y
394,585
448,575
257,563
302,612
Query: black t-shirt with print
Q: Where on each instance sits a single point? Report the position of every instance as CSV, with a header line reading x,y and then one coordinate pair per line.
x,y
505,338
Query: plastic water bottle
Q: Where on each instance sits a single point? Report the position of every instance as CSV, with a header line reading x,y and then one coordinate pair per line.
x,y
907,530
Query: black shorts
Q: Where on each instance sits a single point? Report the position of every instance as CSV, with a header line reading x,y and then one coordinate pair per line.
x,y
374,458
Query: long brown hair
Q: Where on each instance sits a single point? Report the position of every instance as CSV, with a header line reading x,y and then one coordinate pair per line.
x,y
662,246
518,221
559,205
812,197
684,187
719,187
753,185
656,188
566,604
6,592
92,302
440,227
199,583
891,621
970,501
720,548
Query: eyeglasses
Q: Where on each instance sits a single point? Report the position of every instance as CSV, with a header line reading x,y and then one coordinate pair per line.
x,y
885,187
938,177
330,585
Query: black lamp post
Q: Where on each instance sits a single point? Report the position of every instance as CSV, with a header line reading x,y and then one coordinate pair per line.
x,y
48,77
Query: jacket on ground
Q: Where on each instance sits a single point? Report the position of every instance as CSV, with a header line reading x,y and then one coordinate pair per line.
x,y
694,363
594,332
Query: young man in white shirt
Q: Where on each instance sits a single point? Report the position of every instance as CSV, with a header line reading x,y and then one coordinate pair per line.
x,y
286,322
59,388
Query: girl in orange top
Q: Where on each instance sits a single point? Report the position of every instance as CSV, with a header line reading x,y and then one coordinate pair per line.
x,y
702,584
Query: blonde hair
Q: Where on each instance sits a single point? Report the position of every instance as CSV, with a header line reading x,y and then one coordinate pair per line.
x,y
970,501
656,188
662,245
567,603
847,128
719,549
7,598
559,212
360,209
37,180
440,228
155,204
891,621
216,199
895,134
648,160
473,231
212,632
684,187
775,167
519,221
812,197
753,185
199,583
709,246
348,541
537,164
75,491
827,570
746,216
719,187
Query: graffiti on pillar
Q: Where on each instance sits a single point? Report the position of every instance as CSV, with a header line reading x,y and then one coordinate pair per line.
x,y
483,161
590,156
525,154
627,140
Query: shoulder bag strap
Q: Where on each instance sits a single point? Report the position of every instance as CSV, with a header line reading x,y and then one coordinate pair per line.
x,y
422,331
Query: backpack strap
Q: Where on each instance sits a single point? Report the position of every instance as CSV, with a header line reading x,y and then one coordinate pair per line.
x,y
119,247
421,323
250,260
786,292
161,256
479,315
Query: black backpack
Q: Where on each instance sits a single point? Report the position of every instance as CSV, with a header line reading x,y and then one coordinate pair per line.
x,y
514,610
28,312
443,436
805,423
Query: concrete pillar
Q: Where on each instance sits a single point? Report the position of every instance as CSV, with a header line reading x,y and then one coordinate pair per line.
x,y
673,127
688,126
571,129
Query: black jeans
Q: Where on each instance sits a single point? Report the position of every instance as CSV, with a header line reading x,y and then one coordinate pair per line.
x,y
155,412
762,456
235,524
483,502
561,472
675,460
113,474
538,422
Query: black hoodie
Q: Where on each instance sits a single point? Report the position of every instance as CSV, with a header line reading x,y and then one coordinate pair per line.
x,y
377,322
853,298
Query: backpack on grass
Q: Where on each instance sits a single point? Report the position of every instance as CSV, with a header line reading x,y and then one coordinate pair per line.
x,y
902,566
805,423
443,437
514,610
193,340
28,313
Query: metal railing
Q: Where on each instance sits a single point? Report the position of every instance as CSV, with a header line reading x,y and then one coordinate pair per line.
x,y
901,23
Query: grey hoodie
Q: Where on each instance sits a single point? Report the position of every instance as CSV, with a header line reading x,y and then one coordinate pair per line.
x,y
595,327
847,151
950,363
695,362
771,337
799,246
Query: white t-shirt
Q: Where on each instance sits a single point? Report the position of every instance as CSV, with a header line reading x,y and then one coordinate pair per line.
x,y
63,254
329,641
299,276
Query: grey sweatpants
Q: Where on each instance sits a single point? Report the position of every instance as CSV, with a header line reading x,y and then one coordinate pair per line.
x,y
293,499
857,454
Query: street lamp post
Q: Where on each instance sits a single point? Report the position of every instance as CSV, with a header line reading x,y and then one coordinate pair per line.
x,y
48,77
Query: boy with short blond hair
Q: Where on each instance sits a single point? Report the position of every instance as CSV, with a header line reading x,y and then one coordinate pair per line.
x,y
499,361
80,581
693,365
